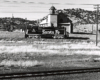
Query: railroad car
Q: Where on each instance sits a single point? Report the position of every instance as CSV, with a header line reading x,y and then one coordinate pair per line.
x,y
46,32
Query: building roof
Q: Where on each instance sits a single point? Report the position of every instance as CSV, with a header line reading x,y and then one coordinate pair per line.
x,y
43,22
52,8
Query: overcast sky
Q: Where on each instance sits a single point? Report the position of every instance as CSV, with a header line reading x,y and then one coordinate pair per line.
x,y
36,9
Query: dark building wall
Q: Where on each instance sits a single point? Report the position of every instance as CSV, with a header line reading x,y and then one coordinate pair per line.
x,y
62,18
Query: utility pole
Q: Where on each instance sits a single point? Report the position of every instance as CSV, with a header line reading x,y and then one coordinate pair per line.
x,y
92,28
97,11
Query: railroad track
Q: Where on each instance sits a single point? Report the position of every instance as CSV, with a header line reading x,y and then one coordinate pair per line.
x,y
47,73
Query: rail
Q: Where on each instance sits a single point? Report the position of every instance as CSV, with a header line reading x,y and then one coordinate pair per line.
x,y
47,73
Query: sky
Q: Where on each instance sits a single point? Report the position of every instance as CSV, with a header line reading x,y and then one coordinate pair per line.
x,y
37,9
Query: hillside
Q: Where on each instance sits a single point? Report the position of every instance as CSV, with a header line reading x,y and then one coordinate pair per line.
x,y
81,16
10,24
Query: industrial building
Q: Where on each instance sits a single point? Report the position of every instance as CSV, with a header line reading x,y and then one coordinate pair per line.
x,y
57,18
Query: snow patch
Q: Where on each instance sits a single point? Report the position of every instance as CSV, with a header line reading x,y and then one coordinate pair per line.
x,y
20,63
51,49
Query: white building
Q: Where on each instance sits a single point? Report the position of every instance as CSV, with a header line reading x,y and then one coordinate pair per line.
x,y
57,19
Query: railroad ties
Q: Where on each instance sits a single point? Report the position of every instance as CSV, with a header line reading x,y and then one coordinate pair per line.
x,y
47,73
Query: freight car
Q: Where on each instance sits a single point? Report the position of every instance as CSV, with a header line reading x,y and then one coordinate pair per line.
x,y
46,32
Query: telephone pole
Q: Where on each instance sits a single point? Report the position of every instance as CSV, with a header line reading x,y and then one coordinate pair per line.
x,y
97,11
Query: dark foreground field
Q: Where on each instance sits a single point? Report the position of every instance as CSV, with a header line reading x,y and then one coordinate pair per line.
x,y
84,76
18,54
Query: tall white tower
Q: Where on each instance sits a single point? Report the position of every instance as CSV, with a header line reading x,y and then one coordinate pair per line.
x,y
52,17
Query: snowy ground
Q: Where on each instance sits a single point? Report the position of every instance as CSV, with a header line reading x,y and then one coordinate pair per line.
x,y
16,51
20,53
50,48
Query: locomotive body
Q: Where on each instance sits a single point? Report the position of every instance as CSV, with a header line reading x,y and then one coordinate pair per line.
x,y
46,32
